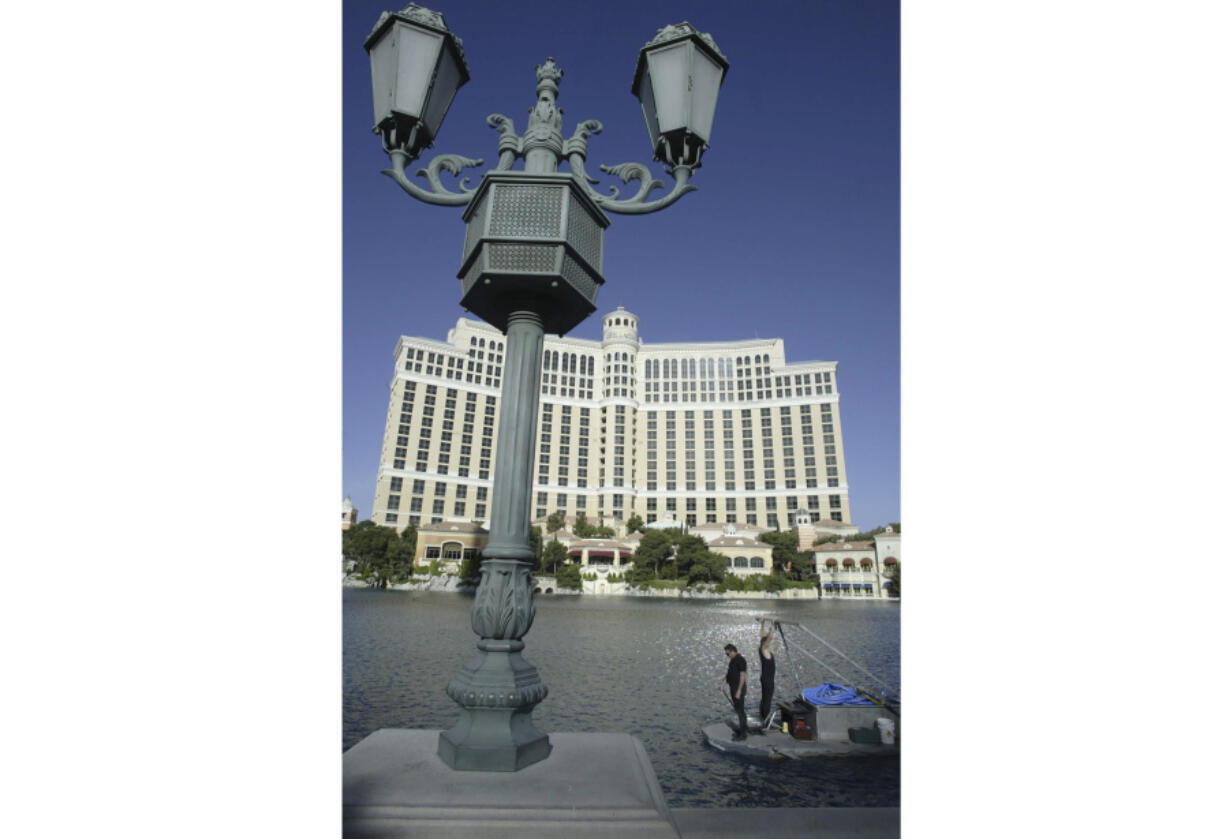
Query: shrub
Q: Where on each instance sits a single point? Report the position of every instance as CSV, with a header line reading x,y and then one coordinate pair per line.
x,y
568,577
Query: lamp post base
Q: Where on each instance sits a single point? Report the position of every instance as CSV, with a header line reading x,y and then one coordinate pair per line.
x,y
598,786
461,750
496,692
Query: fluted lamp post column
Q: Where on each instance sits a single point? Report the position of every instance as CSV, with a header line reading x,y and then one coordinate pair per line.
x,y
531,264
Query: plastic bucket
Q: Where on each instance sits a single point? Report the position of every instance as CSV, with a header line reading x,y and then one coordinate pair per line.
x,y
886,727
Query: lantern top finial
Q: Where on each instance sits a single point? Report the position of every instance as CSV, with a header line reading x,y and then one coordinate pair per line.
x,y
684,29
422,16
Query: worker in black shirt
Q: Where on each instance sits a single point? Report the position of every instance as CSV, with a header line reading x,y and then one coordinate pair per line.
x,y
735,679
767,661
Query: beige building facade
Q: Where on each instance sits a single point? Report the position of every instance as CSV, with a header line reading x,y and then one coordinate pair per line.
x,y
449,543
704,433
859,569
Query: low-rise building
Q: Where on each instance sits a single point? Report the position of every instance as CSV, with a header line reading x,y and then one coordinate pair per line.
x,y
745,555
859,568
450,542
603,555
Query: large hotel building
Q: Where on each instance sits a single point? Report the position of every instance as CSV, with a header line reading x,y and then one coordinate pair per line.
x,y
704,433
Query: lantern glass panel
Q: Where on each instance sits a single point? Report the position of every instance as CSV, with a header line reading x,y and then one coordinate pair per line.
x,y
418,52
383,76
648,99
669,68
707,76
446,83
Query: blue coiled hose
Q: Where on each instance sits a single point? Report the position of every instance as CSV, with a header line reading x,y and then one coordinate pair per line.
x,y
834,694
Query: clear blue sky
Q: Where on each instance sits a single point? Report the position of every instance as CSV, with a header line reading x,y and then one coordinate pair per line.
x,y
793,232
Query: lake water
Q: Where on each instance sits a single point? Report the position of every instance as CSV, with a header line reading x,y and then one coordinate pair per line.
x,y
647,667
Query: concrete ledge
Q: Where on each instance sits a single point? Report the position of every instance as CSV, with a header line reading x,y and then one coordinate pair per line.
x,y
789,822
592,784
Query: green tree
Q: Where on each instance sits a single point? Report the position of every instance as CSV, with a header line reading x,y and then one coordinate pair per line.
x,y
555,522
687,549
774,582
857,537
634,523
378,555
534,542
470,567
555,555
640,575
569,577
733,582
655,548
582,529
707,567
895,577
784,557
408,538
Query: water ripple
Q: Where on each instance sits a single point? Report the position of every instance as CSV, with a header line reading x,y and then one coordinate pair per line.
x,y
648,667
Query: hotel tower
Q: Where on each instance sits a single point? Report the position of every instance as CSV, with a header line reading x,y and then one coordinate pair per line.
x,y
704,433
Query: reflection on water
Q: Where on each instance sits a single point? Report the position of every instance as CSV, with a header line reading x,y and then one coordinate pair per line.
x,y
648,667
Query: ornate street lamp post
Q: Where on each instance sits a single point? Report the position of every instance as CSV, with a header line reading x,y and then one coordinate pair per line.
x,y
531,264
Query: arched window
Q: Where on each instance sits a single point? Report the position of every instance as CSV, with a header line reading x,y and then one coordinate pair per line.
x,y
565,363
832,563
866,563
849,563
741,562
889,560
757,562
452,551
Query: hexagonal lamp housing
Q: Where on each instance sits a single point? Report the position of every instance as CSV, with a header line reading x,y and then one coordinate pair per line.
x,y
535,242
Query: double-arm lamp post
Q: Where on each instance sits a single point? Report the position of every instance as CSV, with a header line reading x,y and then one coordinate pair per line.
x,y
531,264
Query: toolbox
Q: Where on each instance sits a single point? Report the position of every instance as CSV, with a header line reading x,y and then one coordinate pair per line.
x,y
800,717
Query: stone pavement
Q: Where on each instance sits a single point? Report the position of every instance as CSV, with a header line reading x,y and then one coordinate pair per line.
x,y
594,785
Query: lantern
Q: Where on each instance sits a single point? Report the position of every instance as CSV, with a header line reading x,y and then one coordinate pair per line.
x,y
677,80
416,67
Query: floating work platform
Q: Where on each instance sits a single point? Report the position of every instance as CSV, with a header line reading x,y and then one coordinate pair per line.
x,y
830,728
776,745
